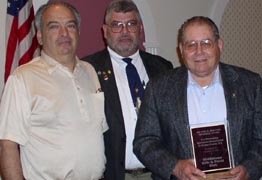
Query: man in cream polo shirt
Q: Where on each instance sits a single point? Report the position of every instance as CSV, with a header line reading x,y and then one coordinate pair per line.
x,y
52,108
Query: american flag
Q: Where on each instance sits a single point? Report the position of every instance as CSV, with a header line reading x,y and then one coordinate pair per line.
x,y
21,42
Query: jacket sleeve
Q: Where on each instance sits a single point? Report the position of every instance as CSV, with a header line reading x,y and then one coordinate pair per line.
x,y
148,143
253,160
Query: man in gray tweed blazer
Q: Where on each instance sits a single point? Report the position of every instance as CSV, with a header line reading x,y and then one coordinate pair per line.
x,y
202,91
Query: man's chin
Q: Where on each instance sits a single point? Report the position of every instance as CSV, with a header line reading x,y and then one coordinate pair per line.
x,y
126,47
66,51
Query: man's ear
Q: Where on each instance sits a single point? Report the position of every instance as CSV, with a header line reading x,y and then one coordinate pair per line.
x,y
141,28
220,44
39,37
104,27
180,49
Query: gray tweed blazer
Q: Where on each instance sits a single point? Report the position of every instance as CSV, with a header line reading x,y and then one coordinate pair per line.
x,y
162,133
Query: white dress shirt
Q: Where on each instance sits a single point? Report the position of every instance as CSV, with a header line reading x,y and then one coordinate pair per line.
x,y
127,105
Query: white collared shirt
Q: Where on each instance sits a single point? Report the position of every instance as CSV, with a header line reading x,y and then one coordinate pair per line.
x,y
57,118
206,104
128,109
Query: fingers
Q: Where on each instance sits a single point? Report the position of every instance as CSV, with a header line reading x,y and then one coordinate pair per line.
x,y
239,173
235,170
198,172
185,170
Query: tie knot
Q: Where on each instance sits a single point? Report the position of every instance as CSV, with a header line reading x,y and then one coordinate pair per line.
x,y
127,60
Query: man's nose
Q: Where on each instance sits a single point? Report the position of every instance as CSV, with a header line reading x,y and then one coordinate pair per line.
x,y
63,31
124,29
199,48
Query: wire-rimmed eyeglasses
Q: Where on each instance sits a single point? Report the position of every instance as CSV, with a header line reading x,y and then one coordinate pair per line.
x,y
117,26
205,44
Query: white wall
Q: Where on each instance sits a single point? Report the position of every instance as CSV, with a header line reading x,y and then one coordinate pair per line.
x,y
162,20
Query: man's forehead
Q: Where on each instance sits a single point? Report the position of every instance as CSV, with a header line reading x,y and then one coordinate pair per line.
x,y
123,15
198,29
58,11
58,16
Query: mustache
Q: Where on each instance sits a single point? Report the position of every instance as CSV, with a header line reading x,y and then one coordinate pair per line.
x,y
63,39
125,36
201,57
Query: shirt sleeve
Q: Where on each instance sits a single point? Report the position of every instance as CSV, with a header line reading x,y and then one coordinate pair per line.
x,y
15,111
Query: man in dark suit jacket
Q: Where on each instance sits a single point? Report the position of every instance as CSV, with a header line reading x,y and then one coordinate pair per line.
x,y
122,31
162,138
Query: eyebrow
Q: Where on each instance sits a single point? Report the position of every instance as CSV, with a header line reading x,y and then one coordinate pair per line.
x,y
56,22
199,40
124,21
52,22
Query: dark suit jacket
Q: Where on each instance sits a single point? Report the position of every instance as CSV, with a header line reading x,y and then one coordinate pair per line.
x,y
162,134
115,137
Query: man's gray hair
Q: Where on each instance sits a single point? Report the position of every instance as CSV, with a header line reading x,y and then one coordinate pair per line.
x,y
43,8
121,6
200,20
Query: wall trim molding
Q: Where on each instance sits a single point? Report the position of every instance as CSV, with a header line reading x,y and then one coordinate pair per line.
x,y
151,43
217,11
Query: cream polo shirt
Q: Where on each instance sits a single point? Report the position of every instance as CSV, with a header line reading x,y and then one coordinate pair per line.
x,y
57,118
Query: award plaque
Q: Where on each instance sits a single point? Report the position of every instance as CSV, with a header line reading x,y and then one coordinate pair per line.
x,y
211,150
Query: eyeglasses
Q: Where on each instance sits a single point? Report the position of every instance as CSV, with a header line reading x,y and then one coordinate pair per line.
x,y
205,44
117,27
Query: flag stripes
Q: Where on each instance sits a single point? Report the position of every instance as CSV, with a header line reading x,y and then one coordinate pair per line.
x,y
21,39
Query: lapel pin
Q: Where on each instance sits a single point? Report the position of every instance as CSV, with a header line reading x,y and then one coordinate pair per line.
x,y
105,77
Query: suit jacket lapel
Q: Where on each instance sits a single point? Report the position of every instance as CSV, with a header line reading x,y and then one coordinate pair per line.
x,y
146,63
232,96
179,85
107,79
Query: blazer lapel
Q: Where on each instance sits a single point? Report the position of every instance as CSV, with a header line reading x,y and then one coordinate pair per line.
x,y
179,85
147,64
232,96
150,65
107,79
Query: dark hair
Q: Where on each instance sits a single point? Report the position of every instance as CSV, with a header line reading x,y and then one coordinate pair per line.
x,y
43,8
200,20
123,6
